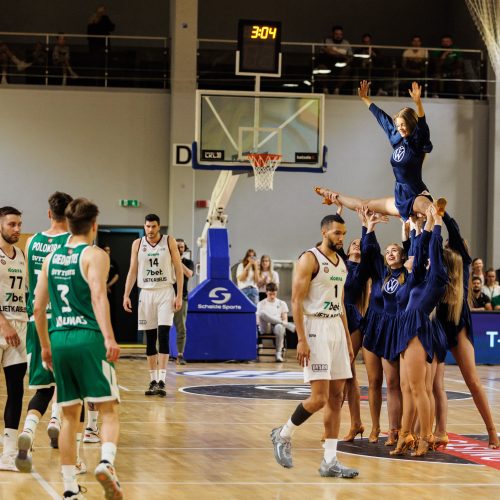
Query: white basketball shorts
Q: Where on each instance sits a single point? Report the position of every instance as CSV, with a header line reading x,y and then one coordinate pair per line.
x,y
329,353
156,307
14,355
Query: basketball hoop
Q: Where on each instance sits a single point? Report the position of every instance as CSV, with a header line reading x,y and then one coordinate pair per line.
x,y
264,165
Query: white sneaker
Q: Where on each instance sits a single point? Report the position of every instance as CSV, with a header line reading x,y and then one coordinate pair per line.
x,y
24,445
8,461
91,435
53,430
80,467
279,357
106,475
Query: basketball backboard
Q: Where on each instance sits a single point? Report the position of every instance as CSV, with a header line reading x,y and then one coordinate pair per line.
x,y
230,125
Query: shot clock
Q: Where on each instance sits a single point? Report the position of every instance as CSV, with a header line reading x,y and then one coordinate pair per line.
x,y
259,48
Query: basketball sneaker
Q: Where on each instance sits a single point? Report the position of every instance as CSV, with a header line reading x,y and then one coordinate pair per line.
x,y
8,461
80,467
336,469
161,389
71,495
106,475
152,389
91,435
23,458
53,430
282,448
279,357
181,360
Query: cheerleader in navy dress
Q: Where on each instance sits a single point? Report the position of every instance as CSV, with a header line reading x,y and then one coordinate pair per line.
x,y
415,339
409,136
379,328
457,323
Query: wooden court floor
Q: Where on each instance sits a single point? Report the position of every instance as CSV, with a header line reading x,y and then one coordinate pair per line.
x,y
215,444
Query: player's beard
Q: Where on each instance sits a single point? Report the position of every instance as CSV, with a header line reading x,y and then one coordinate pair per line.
x,y
333,246
10,239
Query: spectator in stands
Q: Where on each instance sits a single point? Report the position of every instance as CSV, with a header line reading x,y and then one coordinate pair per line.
x,y
478,269
181,315
267,275
39,60
336,56
490,287
413,64
101,25
272,317
247,276
480,301
448,65
7,57
61,59
365,61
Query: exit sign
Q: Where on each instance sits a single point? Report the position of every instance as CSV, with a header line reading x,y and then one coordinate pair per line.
x,y
129,203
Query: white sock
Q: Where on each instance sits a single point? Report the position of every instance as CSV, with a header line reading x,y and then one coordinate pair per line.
x,y
78,442
162,375
55,411
153,375
92,419
9,440
330,447
69,478
288,429
30,424
108,452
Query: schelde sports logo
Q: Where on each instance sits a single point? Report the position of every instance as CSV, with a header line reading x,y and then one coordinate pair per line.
x,y
219,295
398,153
219,298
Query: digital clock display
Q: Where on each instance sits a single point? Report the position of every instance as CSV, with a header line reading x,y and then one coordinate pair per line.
x,y
259,44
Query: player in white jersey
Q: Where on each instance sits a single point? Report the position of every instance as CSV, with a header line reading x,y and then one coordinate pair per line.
x,y
324,346
156,265
13,319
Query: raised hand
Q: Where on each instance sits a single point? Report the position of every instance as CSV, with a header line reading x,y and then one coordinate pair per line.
x,y
364,89
415,92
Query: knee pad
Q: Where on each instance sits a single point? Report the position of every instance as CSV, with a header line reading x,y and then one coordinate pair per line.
x,y
41,400
151,336
163,338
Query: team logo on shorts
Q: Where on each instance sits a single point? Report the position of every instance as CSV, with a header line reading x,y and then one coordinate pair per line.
x,y
326,269
315,367
399,154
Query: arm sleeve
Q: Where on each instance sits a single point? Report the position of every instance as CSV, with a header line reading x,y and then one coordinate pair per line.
x,y
455,240
422,135
387,124
437,270
370,254
421,252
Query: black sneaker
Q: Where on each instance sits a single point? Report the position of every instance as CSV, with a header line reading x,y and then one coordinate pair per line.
x,y
181,360
152,389
160,389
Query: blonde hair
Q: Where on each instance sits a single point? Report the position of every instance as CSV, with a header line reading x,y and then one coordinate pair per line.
x,y
454,291
402,276
409,115
270,264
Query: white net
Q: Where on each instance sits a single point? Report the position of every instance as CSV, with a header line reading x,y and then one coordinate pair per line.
x,y
484,13
264,165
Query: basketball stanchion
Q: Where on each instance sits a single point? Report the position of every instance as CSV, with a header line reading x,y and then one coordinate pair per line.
x,y
264,165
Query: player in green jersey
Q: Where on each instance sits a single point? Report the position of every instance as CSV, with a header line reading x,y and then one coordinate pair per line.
x,y
82,347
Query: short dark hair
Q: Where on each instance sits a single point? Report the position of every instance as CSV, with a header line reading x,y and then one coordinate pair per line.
x,y
476,278
152,218
9,211
328,219
271,287
181,240
81,214
336,27
58,202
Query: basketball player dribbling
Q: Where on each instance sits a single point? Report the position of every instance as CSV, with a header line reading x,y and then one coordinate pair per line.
x,y
156,264
324,346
